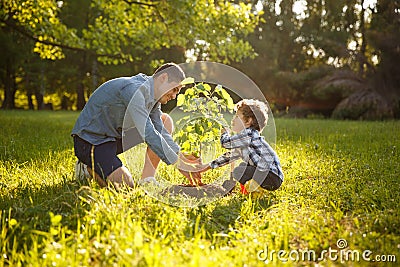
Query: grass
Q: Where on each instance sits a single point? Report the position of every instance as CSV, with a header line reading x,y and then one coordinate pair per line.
x,y
341,182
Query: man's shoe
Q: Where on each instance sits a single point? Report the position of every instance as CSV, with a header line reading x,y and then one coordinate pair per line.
x,y
255,189
148,181
81,172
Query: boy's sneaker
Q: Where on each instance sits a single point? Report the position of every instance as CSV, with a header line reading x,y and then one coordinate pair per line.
x,y
148,181
81,172
255,189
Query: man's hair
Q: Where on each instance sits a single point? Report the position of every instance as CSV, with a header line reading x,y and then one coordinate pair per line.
x,y
175,73
255,110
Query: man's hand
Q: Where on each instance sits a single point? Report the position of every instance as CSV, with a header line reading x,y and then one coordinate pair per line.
x,y
188,162
202,167
188,166
194,178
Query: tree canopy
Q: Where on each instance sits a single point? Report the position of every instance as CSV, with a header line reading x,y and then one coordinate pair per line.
x,y
118,31
318,53
301,53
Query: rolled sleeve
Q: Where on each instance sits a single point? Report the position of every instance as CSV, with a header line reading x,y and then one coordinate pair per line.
x,y
159,145
140,116
155,117
224,159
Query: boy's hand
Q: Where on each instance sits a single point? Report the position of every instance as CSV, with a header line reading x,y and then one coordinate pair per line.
x,y
225,130
191,158
187,165
188,162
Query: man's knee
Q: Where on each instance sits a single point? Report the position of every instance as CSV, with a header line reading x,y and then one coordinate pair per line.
x,y
168,122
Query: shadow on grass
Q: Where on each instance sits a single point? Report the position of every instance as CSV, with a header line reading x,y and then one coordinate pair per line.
x,y
31,207
222,215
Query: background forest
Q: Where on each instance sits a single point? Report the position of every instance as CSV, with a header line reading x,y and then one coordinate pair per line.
x,y
325,58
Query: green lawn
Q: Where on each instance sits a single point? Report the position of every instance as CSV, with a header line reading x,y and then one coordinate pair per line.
x,y
341,182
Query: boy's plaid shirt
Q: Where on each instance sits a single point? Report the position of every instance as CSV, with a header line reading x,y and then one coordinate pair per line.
x,y
252,148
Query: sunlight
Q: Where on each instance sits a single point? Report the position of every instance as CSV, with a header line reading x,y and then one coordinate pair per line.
x,y
352,45
375,59
278,7
299,8
368,6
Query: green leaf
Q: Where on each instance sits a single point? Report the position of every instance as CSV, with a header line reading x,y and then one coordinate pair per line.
x,y
199,129
205,93
55,219
189,128
200,86
225,94
207,87
190,92
230,104
186,146
180,100
187,80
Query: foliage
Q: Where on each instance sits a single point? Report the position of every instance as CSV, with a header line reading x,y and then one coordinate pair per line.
x,y
344,34
138,35
341,181
384,36
279,39
206,108
118,31
323,84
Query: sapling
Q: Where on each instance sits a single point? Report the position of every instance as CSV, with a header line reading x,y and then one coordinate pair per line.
x,y
199,130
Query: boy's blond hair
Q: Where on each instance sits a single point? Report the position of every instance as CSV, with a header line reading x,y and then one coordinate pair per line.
x,y
255,110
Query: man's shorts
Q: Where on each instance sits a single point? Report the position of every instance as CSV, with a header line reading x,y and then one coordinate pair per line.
x,y
104,156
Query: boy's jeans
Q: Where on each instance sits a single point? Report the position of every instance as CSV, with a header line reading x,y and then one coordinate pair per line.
x,y
245,172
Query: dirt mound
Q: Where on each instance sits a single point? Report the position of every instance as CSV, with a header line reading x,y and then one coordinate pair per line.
x,y
208,190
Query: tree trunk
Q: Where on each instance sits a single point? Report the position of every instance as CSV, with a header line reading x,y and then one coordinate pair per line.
x,y
362,57
30,100
81,96
39,99
80,90
10,87
29,92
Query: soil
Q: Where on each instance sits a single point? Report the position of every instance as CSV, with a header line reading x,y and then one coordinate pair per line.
x,y
207,190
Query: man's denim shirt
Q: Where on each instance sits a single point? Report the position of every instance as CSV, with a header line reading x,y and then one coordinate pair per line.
x,y
121,104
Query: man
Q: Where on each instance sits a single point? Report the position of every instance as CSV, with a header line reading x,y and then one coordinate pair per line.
x,y
122,113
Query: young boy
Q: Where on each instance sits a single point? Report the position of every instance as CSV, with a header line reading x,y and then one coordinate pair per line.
x,y
261,162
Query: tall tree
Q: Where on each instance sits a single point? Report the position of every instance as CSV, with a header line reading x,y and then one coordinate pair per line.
x,y
384,36
115,31
15,51
306,44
